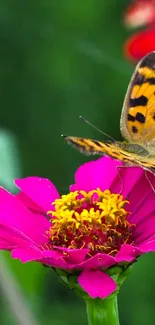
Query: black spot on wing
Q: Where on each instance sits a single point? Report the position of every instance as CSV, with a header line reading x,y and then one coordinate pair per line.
x,y
141,79
151,81
140,117
131,118
134,129
97,143
148,61
139,101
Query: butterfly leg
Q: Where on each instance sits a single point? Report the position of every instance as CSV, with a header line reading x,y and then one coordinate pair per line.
x,y
146,175
119,167
121,180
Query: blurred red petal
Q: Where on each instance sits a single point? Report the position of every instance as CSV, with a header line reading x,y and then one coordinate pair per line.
x,y
140,44
139,13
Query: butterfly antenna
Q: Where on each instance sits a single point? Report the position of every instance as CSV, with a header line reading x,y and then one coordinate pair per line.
x,y
94,127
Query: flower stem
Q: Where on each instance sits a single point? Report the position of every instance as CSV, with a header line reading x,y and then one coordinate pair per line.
x,y
102,312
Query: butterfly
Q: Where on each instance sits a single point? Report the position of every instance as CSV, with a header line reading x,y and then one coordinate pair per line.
x,y
137,123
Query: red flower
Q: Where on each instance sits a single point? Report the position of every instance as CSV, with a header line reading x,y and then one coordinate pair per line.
x,y
140,44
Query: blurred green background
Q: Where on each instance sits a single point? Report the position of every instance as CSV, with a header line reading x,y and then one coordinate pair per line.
x,y
58,60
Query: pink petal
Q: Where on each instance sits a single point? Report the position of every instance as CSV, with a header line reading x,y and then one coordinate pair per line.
x,y
128,253
74,255
145,229
28,202
142,208
149,245
140,194
99,173
144,219
27,254
14,237
128,176
98,261
58,263
39,190
77,256
14,213
97,283
4,245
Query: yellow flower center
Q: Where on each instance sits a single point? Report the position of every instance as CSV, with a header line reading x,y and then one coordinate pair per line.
x,y
96,220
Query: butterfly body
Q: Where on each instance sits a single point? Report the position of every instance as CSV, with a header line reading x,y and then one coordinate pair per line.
x,y
137,123
129,154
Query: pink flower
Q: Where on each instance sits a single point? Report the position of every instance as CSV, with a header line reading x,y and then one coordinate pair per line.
x,y
140,44
139,13
86,232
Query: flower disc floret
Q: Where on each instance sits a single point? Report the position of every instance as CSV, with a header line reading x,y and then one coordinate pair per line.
x,y
96,220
